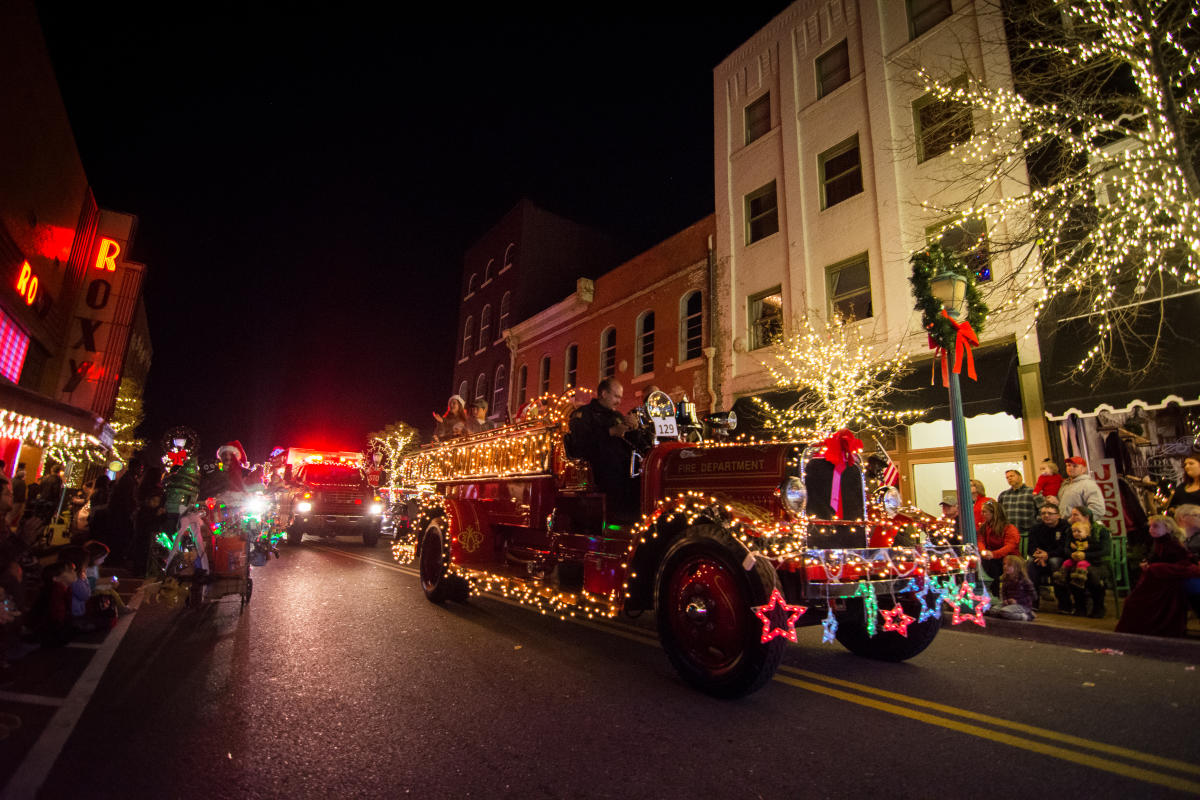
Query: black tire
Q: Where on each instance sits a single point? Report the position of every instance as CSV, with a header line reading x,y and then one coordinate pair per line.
x,y
431,564
887,645
246,594
295,535
371,537
704,603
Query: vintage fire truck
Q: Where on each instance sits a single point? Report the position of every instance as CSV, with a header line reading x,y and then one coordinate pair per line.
x,y
738,544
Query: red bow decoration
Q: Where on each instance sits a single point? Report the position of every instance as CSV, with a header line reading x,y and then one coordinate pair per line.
x,y
964,339
839,451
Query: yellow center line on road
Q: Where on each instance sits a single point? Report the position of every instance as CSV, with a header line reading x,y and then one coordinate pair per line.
x,y
1062,738
1053,750
1062,753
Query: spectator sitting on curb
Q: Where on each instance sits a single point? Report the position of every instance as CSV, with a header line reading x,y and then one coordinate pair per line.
x,y
1047,540
1157,606
997,538
1017,595
1072,597
1080,489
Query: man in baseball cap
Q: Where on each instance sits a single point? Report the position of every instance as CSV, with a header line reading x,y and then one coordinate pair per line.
x,y
1079,489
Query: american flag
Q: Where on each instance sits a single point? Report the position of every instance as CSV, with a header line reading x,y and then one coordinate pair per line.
x,y
891,475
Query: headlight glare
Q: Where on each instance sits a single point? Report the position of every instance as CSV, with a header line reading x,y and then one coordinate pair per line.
x,y
304,506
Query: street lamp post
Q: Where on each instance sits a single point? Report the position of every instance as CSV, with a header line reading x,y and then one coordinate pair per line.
x,y
951,289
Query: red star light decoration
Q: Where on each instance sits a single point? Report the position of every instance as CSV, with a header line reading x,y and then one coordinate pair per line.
x,y
896,620
774,609
967,597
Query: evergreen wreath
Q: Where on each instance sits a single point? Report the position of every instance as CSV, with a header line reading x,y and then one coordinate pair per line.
x,y
926,264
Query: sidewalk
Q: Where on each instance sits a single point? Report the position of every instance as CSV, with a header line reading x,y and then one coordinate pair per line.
x,y
1086,633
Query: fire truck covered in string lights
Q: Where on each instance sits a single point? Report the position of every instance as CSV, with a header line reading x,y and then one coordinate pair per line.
x,y
739,543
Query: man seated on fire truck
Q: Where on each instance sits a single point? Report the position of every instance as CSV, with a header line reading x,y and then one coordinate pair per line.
x,y
597,435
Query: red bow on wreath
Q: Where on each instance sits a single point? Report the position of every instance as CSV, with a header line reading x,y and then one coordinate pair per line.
x,y
839,451
964,339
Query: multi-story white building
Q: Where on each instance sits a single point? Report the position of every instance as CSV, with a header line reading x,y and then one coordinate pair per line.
x,y
826,146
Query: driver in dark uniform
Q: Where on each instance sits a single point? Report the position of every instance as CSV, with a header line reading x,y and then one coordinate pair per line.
x,y
598,436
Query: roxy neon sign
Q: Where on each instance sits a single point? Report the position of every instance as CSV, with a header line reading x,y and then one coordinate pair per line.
x,y
106,258
27,284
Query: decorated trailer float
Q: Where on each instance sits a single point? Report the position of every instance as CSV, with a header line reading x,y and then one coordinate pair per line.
x,y
737,546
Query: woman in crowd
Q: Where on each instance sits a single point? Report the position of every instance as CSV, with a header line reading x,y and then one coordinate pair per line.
x,y
1157,606
1188,490
997,538
979,497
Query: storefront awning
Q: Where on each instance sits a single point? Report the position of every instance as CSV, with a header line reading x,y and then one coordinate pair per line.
x,y
996,390
23,403
1173,377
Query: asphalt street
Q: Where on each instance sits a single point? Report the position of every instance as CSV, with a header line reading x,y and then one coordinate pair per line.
x,y
341,680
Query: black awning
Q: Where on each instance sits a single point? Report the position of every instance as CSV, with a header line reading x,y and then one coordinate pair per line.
x,y
1176,371
996,390
23,401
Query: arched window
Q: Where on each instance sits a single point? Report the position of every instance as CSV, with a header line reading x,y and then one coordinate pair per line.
x,y
485,327
471,284
489,271
544,375
498,391
691,326
468,336
608,353
480,387
570,367
522,385
644,362
510,253
505,307
462,389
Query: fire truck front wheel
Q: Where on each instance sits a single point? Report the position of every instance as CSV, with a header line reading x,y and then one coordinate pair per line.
x,y
887,645
704,602
433,558
295,534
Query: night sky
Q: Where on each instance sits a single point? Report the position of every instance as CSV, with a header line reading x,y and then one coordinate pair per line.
x,y
306,184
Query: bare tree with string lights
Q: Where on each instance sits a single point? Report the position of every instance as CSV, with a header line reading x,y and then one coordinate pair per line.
x,y
1086,169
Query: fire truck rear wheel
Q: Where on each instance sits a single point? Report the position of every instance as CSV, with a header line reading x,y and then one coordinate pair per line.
x,y
371,536
887,645
706,623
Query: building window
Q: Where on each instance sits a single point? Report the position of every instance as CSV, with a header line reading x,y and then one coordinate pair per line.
x,y
468,336
608,353
940,124
485,327
758,118
841,173
522,385
968,240
489,271
924,14
691,326
471,284
833,68
505,307
480,387
544,376
510,252
645,343
571,367
850,288
498,390
762,217
462,390
766,318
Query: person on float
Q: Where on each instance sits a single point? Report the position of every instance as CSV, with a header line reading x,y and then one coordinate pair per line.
x,y
477,420
1047,540
997,538
453,422
597,435
978,498
1080,489
1018,502
1188,490
1157,606
1049,481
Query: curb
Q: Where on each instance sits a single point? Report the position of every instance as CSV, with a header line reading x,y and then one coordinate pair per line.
x,y
1131,644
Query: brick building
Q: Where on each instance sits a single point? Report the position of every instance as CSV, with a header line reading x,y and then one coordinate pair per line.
x,y
644,322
